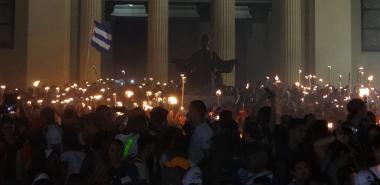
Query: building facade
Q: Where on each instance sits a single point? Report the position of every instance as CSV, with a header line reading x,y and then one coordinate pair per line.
x,y
50,39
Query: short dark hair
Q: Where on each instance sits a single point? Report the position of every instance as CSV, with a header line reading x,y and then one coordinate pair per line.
x,y
355,105
159,114
48,115
295,123
199,106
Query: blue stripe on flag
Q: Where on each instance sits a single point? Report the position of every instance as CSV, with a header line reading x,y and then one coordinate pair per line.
x,y
101,38
98,47
101,26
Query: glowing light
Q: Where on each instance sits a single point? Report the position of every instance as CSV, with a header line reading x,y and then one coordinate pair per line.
x,y
119,113
129,94
47,88
36,83
363,92
277,79
3,87
330,126
149,93
98,97
370,78
218,92
172,100
119,104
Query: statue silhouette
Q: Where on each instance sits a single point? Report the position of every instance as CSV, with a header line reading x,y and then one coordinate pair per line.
x,y
203,69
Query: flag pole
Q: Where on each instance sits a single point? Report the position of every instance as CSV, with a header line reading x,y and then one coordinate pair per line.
x,y
91,32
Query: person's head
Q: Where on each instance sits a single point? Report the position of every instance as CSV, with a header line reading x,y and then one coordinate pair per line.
x,y
319,129
285,120
136,124
252,132
370,118
356,106
256,156
309,119
104,113
115,151
301,170
226,116
227,122
264,115
89,126
47,115
138,111
197,112
297,131
205,42
70,117
159,118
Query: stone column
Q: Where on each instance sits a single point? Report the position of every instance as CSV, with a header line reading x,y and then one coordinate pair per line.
x,y
48,42
158,28
291,39
89,67
223,40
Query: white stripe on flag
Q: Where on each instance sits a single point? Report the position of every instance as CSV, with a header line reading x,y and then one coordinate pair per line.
x,y
101,43
103,33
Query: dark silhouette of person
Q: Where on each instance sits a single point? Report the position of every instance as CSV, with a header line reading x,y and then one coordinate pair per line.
x,y
203,69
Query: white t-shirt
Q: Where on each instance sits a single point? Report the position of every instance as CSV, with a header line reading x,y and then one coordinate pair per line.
x,y
74,160
200,140
365,177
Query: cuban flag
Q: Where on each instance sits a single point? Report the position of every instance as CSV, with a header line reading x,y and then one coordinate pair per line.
x,y
101,38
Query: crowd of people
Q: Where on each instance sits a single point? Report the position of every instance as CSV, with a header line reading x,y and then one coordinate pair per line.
x,y
251,145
